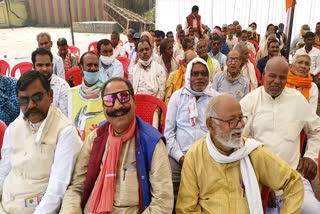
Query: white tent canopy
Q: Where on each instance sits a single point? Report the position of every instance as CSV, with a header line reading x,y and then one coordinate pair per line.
x,y
169,13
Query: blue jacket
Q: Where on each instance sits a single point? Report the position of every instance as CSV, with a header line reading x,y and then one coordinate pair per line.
x,y
147,138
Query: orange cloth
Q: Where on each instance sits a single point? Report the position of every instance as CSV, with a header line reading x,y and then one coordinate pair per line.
x,y
288,4
103,192
180,77
300,82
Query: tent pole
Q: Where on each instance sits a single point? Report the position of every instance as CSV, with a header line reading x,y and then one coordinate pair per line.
x,y
291,11
71,22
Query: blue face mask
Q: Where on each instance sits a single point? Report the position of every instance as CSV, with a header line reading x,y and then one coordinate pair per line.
x,y
91,77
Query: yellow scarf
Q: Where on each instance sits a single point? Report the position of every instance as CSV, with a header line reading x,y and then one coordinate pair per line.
x,y
180,77
210,65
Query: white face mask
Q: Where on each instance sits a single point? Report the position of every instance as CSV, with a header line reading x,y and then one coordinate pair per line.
x,y
145,63
107,60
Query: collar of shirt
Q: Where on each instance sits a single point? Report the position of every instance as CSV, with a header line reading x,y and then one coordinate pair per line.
x,y
276,98
53,80
104,66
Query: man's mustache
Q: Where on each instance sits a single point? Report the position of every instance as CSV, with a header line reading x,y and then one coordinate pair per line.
x,y
33,110
118,112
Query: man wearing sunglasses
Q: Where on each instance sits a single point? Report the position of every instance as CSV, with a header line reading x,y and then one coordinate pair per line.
x,y
123,166
39,151
222,171
185,121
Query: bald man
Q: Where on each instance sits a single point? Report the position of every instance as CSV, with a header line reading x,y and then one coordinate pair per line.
x,y
175,80
223,170
277,115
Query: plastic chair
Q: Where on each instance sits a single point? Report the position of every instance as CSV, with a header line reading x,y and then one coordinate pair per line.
x,y
75,50
22,67
146,105
319,168
125,63
3,128
93,47
4,68
73,76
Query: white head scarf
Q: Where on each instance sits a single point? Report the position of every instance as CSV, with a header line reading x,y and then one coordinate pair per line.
x,y
208,90
193,111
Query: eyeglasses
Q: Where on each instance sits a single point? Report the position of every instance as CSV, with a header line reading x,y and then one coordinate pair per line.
x,y
235,59
197,73
215,43
233,123
37,97
110,99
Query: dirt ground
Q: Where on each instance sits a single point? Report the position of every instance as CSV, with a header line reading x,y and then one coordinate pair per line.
x,y
16,44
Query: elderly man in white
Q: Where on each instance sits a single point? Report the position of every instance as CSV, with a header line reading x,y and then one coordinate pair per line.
x,y
185,121
277,115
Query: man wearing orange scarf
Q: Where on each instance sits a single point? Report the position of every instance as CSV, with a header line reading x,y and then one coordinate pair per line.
x,y
123,166
300,79
175,80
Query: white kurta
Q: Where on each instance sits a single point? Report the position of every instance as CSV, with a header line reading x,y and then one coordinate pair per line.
x,y
248,71
60,90
151,80
277,123
58,66
67,148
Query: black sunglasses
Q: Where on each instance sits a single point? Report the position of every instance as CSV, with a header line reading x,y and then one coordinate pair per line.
x,y
110,99
37,97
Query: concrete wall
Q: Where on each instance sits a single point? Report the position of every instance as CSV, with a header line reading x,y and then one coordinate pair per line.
x,y
56,12
13,13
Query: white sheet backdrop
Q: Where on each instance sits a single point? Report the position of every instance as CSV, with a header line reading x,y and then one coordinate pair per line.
x,y
169,13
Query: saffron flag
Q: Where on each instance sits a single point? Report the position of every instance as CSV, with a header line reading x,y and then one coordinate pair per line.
x,y
288,4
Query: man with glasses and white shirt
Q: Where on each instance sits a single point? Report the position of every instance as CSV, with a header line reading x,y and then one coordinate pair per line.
x,y
231,81
39,151
185,122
